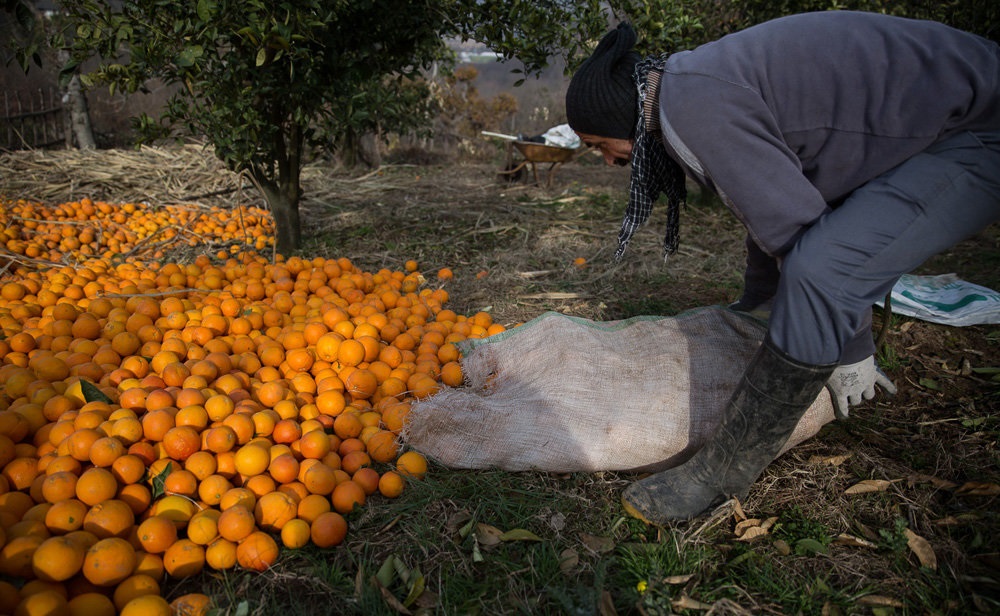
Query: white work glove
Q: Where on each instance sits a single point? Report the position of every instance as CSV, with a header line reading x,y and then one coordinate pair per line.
x,y
851,384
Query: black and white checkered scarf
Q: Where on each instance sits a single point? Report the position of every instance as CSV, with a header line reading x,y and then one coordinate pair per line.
x,y
653,172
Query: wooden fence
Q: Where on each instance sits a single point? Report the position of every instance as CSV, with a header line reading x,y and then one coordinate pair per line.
x,y
32,121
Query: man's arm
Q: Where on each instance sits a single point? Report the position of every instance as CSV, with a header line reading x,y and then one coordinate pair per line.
x,y
744,157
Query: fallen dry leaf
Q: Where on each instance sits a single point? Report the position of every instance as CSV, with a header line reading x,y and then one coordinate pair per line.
x,y
956,520
685,602
937,482
866,532
738,512
922,548
748,530
741,527
391,600
568,560
852,541
488,535
678,580
869,485
831,460
978,488
880,601
597,544
754,532
606,607
556,295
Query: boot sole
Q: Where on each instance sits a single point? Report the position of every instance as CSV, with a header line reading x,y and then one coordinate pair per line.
x,y
633,512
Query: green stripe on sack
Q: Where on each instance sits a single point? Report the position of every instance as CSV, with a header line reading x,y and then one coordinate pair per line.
x,y
962,303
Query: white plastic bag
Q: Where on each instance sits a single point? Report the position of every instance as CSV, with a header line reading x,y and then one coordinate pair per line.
x,y
562,136
945,299
564,394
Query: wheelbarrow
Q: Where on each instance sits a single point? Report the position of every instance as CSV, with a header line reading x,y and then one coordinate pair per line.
x,y
533,154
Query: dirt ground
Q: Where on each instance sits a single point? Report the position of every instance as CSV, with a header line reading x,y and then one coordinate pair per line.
x,y
512,247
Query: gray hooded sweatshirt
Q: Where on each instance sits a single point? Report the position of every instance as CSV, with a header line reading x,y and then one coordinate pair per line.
x,y
786,118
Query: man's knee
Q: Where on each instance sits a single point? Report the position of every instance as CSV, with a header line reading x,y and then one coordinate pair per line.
x,y
806,271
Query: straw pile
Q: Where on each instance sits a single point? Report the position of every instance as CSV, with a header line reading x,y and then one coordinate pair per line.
x,y
178,174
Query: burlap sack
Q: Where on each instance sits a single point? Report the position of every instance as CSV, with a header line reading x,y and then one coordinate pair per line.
x,y
565,394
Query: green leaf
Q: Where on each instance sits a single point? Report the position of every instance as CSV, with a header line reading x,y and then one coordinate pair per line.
x,y
190,55
467,528
386,573
25,17
807,547
930,384
261,56
402,570
160,479
519,534
207,9
242,609
91,393
416,587
68,69
745,556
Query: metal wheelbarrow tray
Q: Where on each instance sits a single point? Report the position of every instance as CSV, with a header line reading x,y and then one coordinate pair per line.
x,y
538,153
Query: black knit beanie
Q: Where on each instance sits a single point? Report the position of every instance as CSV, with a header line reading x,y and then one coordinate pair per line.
x,y
602,99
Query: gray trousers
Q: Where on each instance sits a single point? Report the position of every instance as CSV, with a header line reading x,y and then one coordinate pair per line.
x,y
853,255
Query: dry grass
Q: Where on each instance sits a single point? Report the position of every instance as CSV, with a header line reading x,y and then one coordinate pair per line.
x,y
186,174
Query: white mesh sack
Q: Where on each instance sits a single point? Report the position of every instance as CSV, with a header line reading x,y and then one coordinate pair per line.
x,y
565,394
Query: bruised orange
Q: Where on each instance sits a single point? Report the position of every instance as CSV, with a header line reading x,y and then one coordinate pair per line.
x,y
258,551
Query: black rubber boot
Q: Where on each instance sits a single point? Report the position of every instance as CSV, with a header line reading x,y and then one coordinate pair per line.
x,y
772,397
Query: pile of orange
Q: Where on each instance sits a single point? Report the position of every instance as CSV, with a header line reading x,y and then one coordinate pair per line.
x,y
79,230
160,419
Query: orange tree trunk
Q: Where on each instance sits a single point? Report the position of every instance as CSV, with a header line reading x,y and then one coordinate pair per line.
x,y
285,209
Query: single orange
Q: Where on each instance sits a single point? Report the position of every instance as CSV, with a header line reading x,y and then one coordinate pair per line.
x,y
156,534
295,534
346,496
391,484
258,551
412,464
109,518
96,485
184,558
328,529
57,559
109,561
236,523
